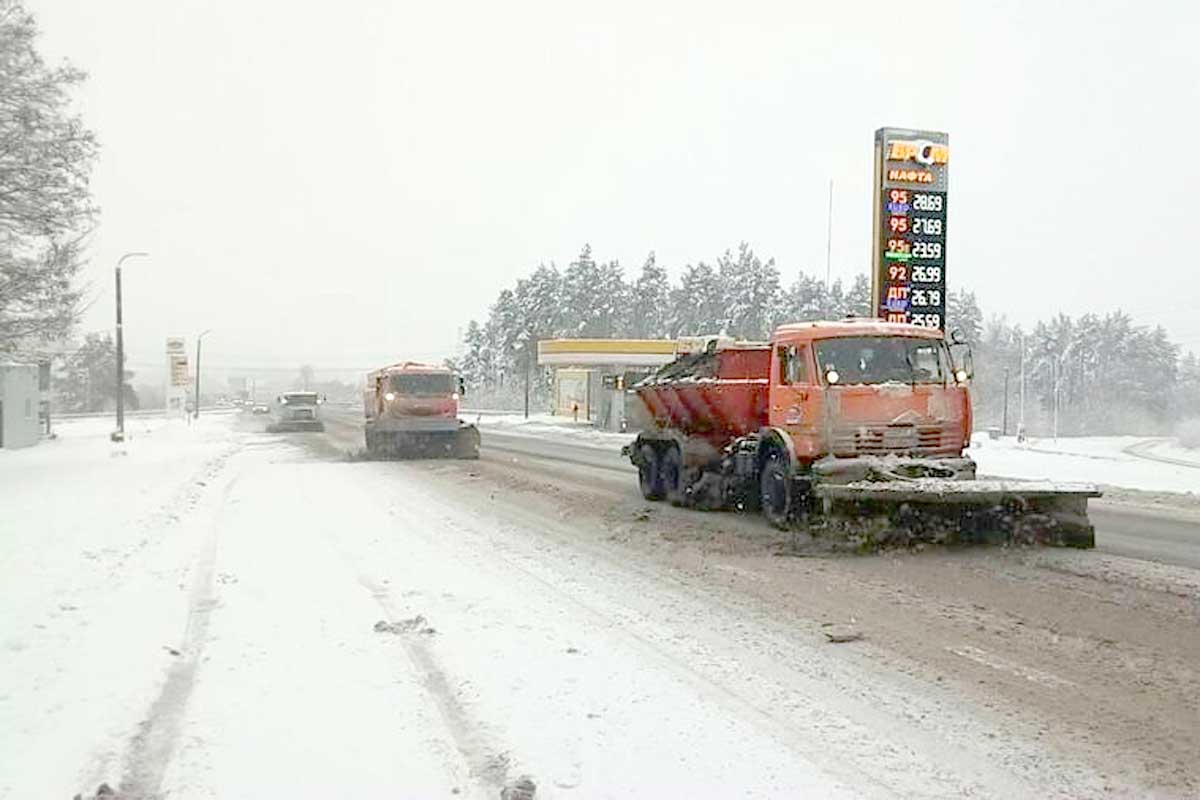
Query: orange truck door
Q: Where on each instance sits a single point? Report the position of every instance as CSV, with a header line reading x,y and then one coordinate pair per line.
x,y
797,402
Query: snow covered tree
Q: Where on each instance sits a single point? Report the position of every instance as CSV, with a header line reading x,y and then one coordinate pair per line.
x,y
579,300
649,307
698,303
473,367
539,302
963,313
46,157
750,288
803,301
611,310
858,298
86,380
504,322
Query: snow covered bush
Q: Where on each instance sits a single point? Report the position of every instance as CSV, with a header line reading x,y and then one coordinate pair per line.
x,y
1188,433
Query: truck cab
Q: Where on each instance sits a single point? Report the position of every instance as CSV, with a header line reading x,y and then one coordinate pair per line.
x,y
865,387
412,408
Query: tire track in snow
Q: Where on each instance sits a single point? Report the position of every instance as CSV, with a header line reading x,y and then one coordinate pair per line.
x,y
151,749
1140,450
487,762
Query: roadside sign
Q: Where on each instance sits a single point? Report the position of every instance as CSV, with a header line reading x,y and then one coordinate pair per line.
x,y
179,370
908,279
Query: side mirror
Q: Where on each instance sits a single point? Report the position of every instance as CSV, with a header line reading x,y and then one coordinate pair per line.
x,y
962,362
462,388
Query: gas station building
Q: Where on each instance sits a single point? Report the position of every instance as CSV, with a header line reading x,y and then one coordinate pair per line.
x,y
591,376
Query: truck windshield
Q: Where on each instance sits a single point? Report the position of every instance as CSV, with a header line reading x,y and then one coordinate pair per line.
x,y
433,385
882,359
301,398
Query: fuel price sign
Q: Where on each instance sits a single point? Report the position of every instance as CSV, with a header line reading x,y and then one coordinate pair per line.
x,y
909,277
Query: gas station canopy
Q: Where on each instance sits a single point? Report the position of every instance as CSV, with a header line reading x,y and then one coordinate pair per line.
x,y
606,352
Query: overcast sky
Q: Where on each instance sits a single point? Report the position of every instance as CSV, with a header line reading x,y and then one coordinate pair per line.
x,y
349,183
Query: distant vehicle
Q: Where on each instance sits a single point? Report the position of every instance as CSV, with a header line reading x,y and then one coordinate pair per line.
x,y
259,408
296,411
412,410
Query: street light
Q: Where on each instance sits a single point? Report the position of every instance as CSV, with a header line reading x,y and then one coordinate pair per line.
x,y
119,433
196,413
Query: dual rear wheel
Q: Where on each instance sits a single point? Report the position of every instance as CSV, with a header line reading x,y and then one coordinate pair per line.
x,y
660,473
661,476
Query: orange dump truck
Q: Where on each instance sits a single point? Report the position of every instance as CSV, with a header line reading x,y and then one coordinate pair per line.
x,y
412,411
858,424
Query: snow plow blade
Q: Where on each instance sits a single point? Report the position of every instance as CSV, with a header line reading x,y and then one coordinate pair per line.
x,y
977,511
462,443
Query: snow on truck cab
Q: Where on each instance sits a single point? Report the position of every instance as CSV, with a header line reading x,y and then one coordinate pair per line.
x,y
857,424
411,409
296,411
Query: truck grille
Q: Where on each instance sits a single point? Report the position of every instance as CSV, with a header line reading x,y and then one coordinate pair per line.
x,y
302,413
883,439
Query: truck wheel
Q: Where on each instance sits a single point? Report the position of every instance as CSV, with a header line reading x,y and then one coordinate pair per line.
x,y
670,472
775,487
649,477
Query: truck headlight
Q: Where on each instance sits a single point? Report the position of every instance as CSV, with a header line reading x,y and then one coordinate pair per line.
x,y
832,376
960,375
389,397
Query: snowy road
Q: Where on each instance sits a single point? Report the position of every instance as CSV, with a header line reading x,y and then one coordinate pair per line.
x,y
214,612
1168,536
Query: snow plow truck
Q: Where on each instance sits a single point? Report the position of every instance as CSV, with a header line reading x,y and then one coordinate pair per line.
x,y
855,428
412,412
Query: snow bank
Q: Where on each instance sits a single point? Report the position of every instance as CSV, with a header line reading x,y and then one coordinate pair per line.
x,y
1105,460
551,427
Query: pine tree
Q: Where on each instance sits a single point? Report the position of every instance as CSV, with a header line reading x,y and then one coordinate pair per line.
x,y
963,314
804,301
86,380
473,367
750,288
579,301
858,299
612,308
698,304
649,307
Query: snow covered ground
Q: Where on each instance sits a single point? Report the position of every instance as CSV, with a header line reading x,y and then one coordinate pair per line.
x,y
97,545
194,613
549,426
1107,460
208,611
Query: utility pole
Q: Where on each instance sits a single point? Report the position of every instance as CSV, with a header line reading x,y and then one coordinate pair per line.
x,y
1004,422
119,434
1054,372
829,240
527,385
196,413
1021,418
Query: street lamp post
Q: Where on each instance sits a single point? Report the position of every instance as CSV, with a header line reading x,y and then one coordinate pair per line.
x,y
119,433
196,411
